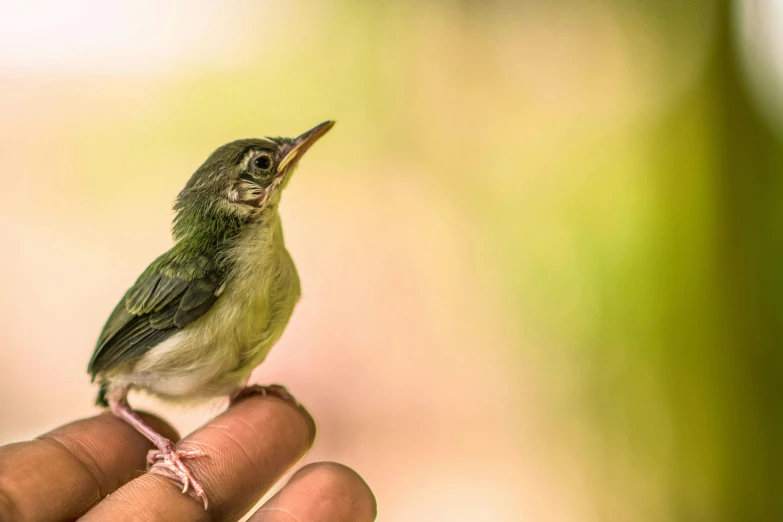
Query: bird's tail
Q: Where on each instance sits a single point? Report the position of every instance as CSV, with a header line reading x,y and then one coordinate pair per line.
x,y
100,400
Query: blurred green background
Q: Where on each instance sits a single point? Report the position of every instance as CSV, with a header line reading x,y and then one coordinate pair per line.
x,y
541,252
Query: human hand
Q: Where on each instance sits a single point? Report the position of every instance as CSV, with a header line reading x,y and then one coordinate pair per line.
x,y
92,468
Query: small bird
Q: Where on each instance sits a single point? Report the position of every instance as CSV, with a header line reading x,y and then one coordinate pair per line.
x,y
203,315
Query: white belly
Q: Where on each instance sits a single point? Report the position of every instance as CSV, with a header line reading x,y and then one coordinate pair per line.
x,y
208,358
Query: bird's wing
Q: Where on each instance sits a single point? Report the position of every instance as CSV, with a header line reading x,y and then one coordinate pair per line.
x,y
174,291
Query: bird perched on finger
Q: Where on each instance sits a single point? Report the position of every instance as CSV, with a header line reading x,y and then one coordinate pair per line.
x,y
203,315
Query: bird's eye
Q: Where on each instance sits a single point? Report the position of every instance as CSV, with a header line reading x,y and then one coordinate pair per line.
x,y
262,162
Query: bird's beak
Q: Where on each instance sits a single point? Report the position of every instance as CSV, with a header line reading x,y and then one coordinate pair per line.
x,y
295,150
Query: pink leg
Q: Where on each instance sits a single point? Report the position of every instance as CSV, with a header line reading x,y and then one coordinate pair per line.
x,y
170,455
275,390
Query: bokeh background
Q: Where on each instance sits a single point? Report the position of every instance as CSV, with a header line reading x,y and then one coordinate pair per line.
x,y
541,252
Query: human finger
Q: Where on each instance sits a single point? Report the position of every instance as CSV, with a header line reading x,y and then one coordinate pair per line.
x,y
72,467
321,492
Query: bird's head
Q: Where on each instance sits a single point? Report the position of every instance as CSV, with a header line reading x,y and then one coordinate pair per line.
x,y
244,178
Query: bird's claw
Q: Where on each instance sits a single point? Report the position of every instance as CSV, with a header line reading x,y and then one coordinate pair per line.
x,y
155,455
274,390
168,461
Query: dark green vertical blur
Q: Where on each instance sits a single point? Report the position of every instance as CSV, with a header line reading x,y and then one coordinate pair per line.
x,y
749,279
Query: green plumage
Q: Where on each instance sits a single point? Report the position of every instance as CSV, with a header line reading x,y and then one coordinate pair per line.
x,y
172,293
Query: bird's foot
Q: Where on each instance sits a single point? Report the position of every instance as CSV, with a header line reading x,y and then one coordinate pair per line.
x,y
168,461
275,390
